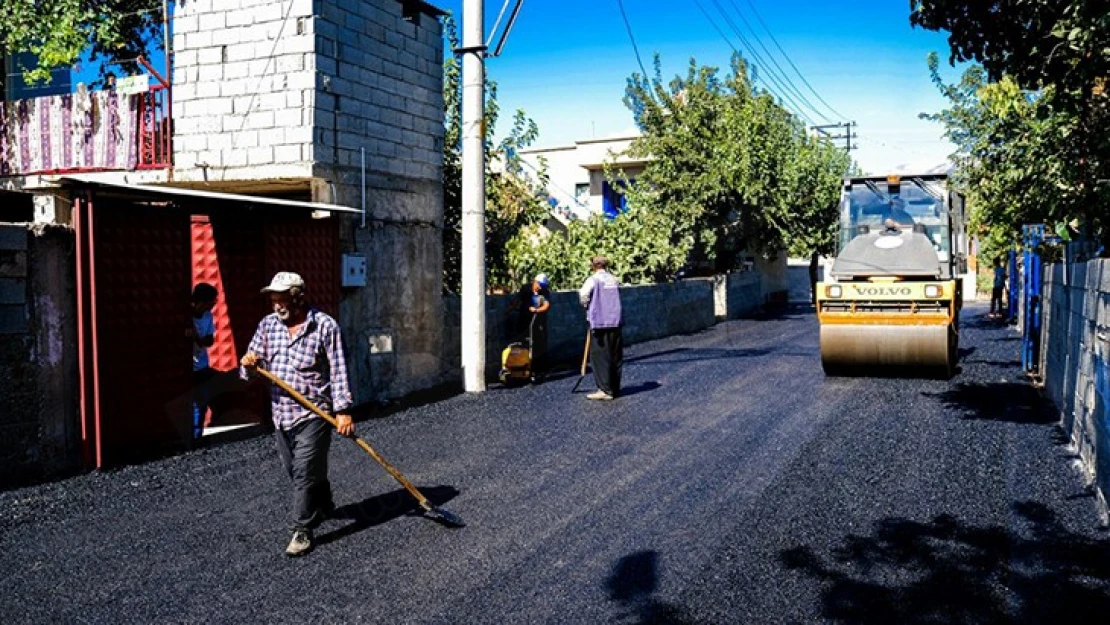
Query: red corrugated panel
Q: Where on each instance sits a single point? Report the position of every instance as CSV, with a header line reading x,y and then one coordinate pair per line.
x,y
309,247
222,355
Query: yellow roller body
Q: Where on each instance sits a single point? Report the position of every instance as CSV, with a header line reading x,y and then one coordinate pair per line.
x,y
889,327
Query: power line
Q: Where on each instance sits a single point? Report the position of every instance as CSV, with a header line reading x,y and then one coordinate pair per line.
x,y
628,26
783,94
791,62
771,56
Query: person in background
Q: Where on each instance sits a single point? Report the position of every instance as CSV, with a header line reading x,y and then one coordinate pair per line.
x,y
303,347
998,287
203,335
600,296
535,301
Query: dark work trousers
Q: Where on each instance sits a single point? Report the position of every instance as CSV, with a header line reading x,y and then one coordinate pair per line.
x,y
996,298
607,359
539,345
304,453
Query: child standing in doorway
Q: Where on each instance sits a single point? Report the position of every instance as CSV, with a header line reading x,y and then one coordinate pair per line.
x,y
203,335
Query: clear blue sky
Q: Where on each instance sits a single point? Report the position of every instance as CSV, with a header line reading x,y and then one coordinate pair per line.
x,y
566,63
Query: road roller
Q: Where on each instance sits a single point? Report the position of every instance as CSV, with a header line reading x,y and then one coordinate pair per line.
x,y
890,302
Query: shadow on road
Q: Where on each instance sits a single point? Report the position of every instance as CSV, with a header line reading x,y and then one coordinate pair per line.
x,y
1014,403
696,354
383,508
947,571
639,388
634,581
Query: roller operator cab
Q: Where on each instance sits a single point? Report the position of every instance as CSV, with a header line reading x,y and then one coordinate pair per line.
x,y
890,303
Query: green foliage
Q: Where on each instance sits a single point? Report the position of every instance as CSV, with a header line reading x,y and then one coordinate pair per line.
x,y
1032,125
513,199
728,171
58,32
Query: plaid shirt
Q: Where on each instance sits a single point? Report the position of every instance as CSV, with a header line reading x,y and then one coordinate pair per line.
x,y
312,362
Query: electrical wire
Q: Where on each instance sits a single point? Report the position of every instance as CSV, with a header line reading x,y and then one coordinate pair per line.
x,y
781,72
791,62
628,27
783,94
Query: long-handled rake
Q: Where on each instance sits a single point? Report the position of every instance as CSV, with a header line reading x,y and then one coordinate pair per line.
x,y
432,512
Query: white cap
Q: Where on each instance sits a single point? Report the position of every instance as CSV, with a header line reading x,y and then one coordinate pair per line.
x,y
283,281
541,279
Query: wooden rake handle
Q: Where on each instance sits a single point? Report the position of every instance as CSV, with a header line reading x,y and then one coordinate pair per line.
x,y
586,353
302,400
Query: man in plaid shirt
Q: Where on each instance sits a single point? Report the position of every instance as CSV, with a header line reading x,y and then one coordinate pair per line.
x,y
303,347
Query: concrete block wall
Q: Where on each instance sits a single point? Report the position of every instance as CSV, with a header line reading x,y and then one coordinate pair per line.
x,y
39,431
244,80
381,90
1077,360
650,312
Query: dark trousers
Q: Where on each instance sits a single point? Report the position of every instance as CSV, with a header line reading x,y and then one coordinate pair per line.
x,y
304,453
996,297
607,359
202,398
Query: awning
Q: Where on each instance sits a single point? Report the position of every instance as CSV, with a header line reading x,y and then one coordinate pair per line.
x,y
151,192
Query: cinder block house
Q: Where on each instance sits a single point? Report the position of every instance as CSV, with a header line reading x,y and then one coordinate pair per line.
x,y
303,136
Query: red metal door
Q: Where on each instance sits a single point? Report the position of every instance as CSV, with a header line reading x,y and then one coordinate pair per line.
x,y
141,279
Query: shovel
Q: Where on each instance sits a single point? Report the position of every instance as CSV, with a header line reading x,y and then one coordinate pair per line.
x,y
432,512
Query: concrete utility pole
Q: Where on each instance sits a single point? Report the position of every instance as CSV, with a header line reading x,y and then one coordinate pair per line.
x,y
473,197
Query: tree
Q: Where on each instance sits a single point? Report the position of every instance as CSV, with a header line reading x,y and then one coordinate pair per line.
x,y
59,32
1032,124
728,170
513,199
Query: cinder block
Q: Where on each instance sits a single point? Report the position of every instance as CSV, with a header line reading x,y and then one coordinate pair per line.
x,y
235,158
240,69
212,21
208,89
184,24
239,18
222,142
290,63
288,118
198,40
271,136
287,154
260,156
244,52
299,135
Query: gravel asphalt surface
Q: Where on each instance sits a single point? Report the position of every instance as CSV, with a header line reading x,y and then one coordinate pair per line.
x,y
733,483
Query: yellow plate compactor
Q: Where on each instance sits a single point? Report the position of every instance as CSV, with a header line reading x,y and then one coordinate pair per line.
x,y
890,304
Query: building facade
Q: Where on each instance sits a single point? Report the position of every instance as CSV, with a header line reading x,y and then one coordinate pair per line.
x,y
303,135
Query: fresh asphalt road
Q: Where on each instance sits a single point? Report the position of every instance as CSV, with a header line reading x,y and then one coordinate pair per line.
x,y
733,483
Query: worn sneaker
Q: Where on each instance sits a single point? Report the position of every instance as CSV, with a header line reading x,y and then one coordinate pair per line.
x,y
599,395
300,544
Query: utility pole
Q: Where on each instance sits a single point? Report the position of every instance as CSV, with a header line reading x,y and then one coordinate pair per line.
x,y
473,320
847,136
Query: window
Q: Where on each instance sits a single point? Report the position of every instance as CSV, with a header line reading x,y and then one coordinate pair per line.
x,y
613,200
582,193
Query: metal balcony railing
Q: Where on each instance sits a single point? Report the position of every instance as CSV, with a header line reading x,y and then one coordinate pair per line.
x,y
86,132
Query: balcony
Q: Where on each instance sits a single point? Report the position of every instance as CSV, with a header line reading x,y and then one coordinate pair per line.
x,y
86,132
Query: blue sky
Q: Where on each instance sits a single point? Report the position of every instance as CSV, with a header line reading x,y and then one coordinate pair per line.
x,y
566,63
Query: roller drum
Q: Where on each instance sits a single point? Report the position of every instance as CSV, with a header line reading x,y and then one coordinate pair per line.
x,y
888,349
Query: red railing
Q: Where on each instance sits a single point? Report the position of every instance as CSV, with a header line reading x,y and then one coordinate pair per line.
x,y
155,129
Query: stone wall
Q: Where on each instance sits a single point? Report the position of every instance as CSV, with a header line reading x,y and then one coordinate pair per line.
x,y
1077,360
650,312
39,431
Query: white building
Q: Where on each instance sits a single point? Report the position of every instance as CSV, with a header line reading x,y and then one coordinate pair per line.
x,y
576,174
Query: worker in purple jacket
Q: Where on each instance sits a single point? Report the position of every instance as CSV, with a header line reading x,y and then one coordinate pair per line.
x,y
601,297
